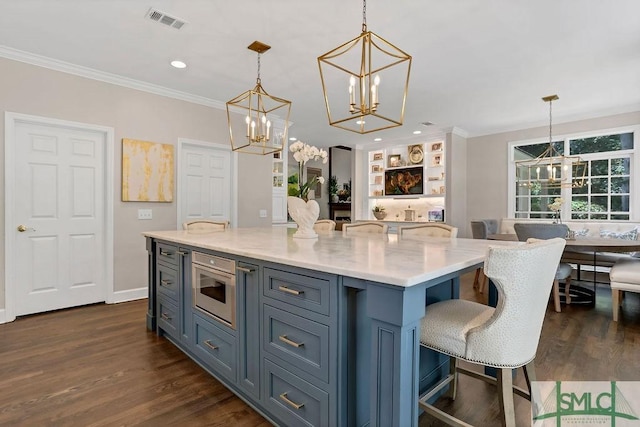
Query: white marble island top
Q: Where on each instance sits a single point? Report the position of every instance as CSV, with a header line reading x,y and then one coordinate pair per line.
x,y
380,258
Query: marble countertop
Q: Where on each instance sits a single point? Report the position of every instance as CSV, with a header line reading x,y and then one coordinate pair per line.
x,y
381,258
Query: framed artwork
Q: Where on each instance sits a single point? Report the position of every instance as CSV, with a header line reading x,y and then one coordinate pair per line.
x,y
437,160
436,215
376,168
393,160
377,156
437,146
415,154
403,181
315,173
147,171
378,180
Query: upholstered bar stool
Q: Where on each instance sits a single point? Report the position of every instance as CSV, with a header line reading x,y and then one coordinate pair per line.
x,y
365,227
624,276
548,231
428,230
505,337
205,225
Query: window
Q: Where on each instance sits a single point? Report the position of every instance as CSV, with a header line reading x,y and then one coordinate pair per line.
x,y
611,163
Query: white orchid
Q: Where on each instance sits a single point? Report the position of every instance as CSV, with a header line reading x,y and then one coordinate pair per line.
x,y
303,153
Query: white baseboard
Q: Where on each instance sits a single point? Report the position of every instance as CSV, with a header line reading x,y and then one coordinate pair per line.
x,y
3,317
129,295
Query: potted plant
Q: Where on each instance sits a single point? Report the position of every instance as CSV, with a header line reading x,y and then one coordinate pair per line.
x,y
379,212
333,189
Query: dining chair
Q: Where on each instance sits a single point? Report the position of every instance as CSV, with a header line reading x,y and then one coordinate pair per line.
x,y
370,227
324,225
625,277
428,230
505,337
526,231
205,225
480,229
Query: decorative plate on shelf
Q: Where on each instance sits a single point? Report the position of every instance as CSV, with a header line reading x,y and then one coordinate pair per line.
x,y
416,155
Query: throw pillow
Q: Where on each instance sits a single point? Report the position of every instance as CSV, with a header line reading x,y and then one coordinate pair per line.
x,y
627,235
581,233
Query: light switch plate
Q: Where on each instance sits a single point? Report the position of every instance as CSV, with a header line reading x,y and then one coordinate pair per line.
x,y
263,213
145,214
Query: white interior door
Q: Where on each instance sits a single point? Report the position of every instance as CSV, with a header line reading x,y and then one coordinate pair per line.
x,y
59,204
205,183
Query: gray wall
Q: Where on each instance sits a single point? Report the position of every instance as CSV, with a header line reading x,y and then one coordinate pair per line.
x,y
488,157
134,114
456,182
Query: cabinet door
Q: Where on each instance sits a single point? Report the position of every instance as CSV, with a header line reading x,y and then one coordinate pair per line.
x,y
248,289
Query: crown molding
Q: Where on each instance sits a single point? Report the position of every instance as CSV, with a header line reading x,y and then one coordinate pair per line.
x,y
456,131
90,73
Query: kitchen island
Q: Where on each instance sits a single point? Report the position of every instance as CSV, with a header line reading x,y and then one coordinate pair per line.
x,y
326,330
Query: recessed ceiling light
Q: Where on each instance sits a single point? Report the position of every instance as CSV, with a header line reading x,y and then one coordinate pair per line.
x,y
377,139
178,64
293,138
360,122
417,132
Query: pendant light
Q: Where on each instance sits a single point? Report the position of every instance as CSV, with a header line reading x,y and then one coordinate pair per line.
x,y
263,120
365,82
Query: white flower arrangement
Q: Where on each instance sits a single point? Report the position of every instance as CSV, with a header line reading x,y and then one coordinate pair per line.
x,y
555,208
303,153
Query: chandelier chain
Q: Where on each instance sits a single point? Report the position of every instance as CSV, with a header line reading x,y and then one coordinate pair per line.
x,y
550,121
258,79
364,16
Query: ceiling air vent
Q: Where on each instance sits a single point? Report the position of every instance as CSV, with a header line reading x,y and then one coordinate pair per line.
x,y
163,18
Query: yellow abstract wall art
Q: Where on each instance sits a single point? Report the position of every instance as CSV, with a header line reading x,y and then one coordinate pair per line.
x,y
147,171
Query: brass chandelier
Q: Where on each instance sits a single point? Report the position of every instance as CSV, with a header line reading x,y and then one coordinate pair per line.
x,y
552,169
365,82
263,122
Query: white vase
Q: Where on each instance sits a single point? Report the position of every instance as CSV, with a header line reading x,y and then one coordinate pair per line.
x,y
305,214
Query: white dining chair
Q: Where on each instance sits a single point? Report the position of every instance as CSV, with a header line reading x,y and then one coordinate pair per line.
x,y
324,225
428,230
480,229
364,227
505,337
204,225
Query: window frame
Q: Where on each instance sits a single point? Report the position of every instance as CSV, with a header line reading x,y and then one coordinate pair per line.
x,y
565,193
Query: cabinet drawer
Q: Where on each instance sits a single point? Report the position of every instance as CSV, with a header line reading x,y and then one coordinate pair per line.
x,y
298,341
308,292
293,400
167,282
215,347
168,319
167,254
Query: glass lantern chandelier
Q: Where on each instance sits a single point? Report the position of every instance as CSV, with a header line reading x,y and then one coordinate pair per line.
x,y
365,82
263,120
552,169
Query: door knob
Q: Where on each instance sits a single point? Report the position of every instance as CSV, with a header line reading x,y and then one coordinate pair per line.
x,y
23,228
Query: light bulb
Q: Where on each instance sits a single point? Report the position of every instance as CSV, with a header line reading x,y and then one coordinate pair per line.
x,y
376,80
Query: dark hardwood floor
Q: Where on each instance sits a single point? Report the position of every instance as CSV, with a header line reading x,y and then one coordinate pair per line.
x,y
99,366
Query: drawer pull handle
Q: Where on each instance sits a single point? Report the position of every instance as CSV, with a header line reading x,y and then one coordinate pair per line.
x,y
290,291
165,282
289,402
183,253
163,253
211,346
166,317
245,269
286,340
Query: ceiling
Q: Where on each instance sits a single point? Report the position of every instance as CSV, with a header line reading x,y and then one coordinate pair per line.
x,y
480,66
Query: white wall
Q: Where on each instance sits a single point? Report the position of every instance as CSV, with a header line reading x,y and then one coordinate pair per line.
x,y
134,114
